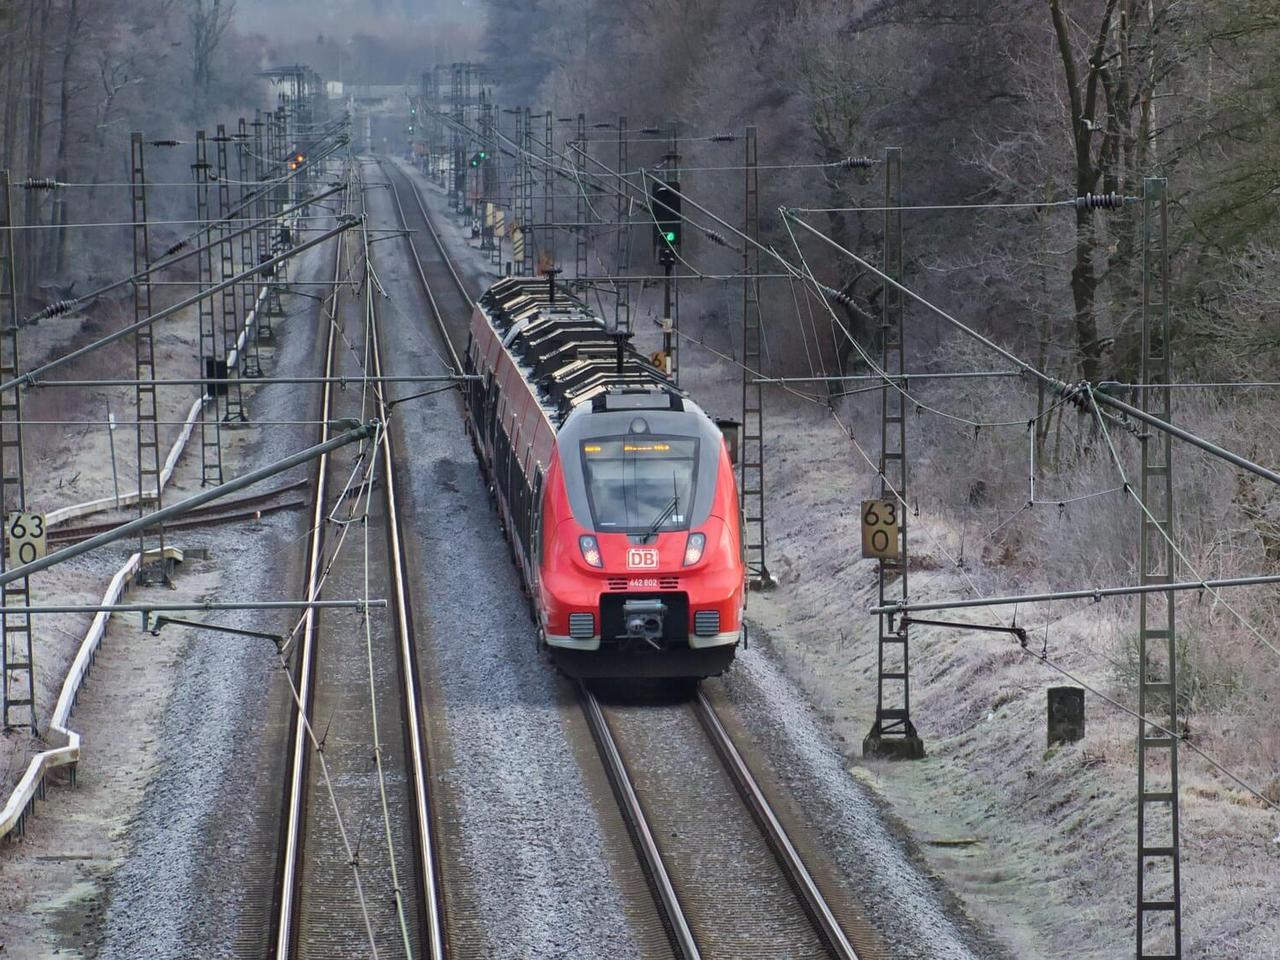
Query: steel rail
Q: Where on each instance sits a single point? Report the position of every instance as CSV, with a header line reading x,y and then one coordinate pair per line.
x,y
319,451
788,857
201,518
422,275
431,896
214,508
290,857
789,860
448,261
638,825
258,381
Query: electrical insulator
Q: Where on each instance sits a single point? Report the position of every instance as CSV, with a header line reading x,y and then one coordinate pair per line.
x,y
857,163
180,245
724,138
837,296
53,310
163,143
39,183
716,238
1100,201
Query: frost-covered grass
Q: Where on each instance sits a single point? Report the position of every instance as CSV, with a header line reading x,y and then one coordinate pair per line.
x,y
1056,826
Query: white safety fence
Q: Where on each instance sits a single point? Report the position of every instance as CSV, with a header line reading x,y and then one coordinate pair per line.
x,y
32,786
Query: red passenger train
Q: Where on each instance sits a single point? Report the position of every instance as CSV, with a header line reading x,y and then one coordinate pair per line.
x,y
616,490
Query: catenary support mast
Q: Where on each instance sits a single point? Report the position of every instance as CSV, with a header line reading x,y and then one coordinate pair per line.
x,y
1159,894
893,734
210,425
751,453
150,543
18,653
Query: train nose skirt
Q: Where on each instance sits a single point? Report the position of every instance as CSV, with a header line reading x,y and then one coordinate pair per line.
x,y
643,619
658,620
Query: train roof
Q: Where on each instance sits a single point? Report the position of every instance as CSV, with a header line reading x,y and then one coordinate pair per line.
x,y
568,353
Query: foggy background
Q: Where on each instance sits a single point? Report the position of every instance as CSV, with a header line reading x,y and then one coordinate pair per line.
x,y
369,41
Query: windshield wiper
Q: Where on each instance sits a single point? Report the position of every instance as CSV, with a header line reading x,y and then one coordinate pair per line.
x,y
672,505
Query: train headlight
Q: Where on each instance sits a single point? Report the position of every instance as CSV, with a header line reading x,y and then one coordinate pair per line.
x,y
693,548
590,550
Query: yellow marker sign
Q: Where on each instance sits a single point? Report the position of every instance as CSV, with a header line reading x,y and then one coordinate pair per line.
x,y
880,525
26,535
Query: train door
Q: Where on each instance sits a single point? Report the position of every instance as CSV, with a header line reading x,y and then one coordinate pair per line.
x,y
534,549
490,411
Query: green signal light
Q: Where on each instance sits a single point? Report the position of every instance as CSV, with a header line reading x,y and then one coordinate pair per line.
x,y
670,236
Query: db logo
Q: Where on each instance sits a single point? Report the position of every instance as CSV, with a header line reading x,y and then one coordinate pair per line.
x,y
642,558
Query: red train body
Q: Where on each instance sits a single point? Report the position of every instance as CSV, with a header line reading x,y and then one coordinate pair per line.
x,y
616,490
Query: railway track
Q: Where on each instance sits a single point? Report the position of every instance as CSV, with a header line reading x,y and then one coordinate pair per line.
x,y
435,270
725,875
357,871
726,878
224,511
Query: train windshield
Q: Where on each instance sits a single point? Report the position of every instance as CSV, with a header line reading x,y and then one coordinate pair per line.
x,y
640,484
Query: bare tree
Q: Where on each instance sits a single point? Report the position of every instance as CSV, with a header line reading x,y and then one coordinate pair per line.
x,y
209,20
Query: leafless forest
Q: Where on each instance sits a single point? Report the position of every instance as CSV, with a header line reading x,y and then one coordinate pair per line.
x,y
1006,111
998,102
78,75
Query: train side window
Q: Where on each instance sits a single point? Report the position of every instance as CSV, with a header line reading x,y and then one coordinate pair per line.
x,y
526,500
490,402
497,414
535,526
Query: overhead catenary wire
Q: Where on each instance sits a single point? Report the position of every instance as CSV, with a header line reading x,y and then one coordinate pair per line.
x,y
1086,202
1069,392
30,376
1168,538
981,601
846,163
1156,724
379,439
129,223
1090,201
889,380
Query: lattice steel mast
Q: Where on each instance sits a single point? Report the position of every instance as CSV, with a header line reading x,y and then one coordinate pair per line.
x,y
252,365
144,372
19,661
210,427
622,255
1159,861
230,310
751,447
893,734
